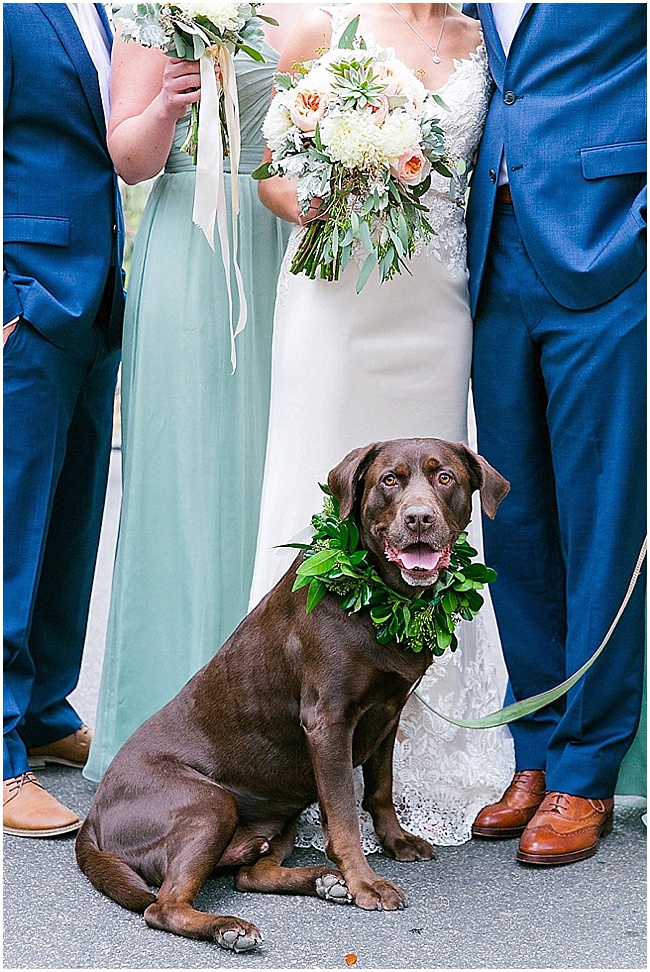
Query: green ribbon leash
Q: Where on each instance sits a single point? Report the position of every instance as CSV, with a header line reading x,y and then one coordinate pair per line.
x,y
518,709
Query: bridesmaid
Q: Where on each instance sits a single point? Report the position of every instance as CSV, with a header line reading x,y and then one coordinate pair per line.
x,y
193,435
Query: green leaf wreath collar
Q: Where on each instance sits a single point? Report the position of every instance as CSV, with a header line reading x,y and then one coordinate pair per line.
x,y
334,562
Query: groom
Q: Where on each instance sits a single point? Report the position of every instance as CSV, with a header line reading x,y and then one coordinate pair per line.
x,y
556,225
63,305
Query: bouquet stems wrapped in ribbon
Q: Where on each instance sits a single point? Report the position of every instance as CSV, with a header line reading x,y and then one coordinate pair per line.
x,y
211,33
359,130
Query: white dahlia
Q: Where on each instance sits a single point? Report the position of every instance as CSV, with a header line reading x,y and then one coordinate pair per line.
x,y
277,122
224,16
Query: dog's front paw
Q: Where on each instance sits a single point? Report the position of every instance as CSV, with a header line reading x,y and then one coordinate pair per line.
x,y
381,895
408,847
237,936
331,886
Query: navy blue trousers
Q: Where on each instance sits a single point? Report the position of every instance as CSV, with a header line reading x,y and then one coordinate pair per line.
x,y
58,408
561,412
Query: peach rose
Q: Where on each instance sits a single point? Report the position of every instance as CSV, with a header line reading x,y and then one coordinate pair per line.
x,y
412,167
379,112
307,109
393,87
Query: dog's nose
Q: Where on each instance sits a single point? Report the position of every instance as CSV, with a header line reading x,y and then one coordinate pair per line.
x,y
418,518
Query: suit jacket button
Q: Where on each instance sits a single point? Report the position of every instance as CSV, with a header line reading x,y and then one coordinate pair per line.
x,y
493,176
509,98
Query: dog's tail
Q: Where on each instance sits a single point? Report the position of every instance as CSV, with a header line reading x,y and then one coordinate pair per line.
x,y
109,874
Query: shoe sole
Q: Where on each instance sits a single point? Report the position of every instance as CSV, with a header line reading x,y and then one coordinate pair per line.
x,y
547,859
53,832
580,855
491,833
39,762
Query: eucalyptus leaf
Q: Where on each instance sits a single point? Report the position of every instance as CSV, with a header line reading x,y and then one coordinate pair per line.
x,y
346,40
364,232
262,172
252,52
366,270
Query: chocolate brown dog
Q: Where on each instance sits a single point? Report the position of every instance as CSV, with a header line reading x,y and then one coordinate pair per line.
x,y
280,717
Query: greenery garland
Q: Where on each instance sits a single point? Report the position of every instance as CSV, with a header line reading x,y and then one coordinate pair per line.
x,y
333,561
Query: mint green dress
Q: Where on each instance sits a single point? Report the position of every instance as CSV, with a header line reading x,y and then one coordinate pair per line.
x,y
193,436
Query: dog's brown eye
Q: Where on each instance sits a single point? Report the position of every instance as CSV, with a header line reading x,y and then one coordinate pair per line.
x,y
389,480
445,479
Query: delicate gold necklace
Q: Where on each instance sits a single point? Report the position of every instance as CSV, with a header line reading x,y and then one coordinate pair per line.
x,y
434,50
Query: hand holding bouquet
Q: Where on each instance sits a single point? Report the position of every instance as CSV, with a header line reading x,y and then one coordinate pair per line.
x,y
211,33
190,31
358,130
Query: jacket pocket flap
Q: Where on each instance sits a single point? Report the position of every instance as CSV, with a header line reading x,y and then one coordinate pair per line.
x,y
50,230
611,160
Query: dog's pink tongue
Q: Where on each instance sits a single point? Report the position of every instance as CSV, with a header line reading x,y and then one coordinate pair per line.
x,y
420,556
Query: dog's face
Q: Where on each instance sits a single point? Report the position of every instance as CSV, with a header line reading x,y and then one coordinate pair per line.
x,y
412,498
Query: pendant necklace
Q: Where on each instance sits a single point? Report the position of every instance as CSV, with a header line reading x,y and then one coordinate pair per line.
x,y
434,50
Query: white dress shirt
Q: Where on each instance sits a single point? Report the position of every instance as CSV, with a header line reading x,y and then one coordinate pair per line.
x,y
94,37
506,19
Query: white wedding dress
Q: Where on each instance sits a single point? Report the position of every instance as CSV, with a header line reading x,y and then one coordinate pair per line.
x,y
392,362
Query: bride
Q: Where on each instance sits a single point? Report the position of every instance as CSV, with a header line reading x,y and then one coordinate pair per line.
x,y
391,362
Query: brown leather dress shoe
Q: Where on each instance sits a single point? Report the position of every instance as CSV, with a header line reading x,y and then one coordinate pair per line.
x,y
28,810
508,817
565,829
70,751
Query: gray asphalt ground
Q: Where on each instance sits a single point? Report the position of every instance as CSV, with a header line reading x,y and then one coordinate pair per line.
x,y
473,908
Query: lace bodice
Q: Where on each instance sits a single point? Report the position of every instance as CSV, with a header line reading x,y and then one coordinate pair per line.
x,y
467,94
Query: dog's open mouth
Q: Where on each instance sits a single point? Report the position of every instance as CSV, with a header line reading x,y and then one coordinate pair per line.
x,y
419,563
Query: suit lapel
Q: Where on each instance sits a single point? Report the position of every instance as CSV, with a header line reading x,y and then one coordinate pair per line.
x,y
493,41
64,24
99,7
516,40
495,48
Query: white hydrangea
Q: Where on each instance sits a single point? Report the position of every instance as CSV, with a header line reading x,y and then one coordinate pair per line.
x,y
277,122
224,16
351,139
399,133
356,142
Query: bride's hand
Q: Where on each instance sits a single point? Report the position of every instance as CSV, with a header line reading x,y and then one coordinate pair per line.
x,y
314,212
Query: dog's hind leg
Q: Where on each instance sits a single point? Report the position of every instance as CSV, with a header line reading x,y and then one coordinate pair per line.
x,y
196,841
268,876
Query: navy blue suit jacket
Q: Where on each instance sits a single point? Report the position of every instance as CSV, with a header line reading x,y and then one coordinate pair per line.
x,y
569,110
63,228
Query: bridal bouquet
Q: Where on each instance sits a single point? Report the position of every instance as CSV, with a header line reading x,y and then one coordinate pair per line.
x,y
359,130
190,31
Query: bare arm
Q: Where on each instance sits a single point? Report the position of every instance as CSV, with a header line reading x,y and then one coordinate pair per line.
x,y
149,93
305,43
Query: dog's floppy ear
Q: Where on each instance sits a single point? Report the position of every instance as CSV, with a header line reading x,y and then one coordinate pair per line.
x,y
345,478
491,484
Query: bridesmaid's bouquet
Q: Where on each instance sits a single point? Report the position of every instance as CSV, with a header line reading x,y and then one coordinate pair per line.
x,y
359,130
210,33
191,31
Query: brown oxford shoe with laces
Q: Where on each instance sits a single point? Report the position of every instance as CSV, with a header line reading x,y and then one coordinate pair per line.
x,y
517,806
28,810
70,751
565,829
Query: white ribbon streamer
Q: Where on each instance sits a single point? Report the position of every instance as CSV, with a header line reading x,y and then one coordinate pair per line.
x,y
210,189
